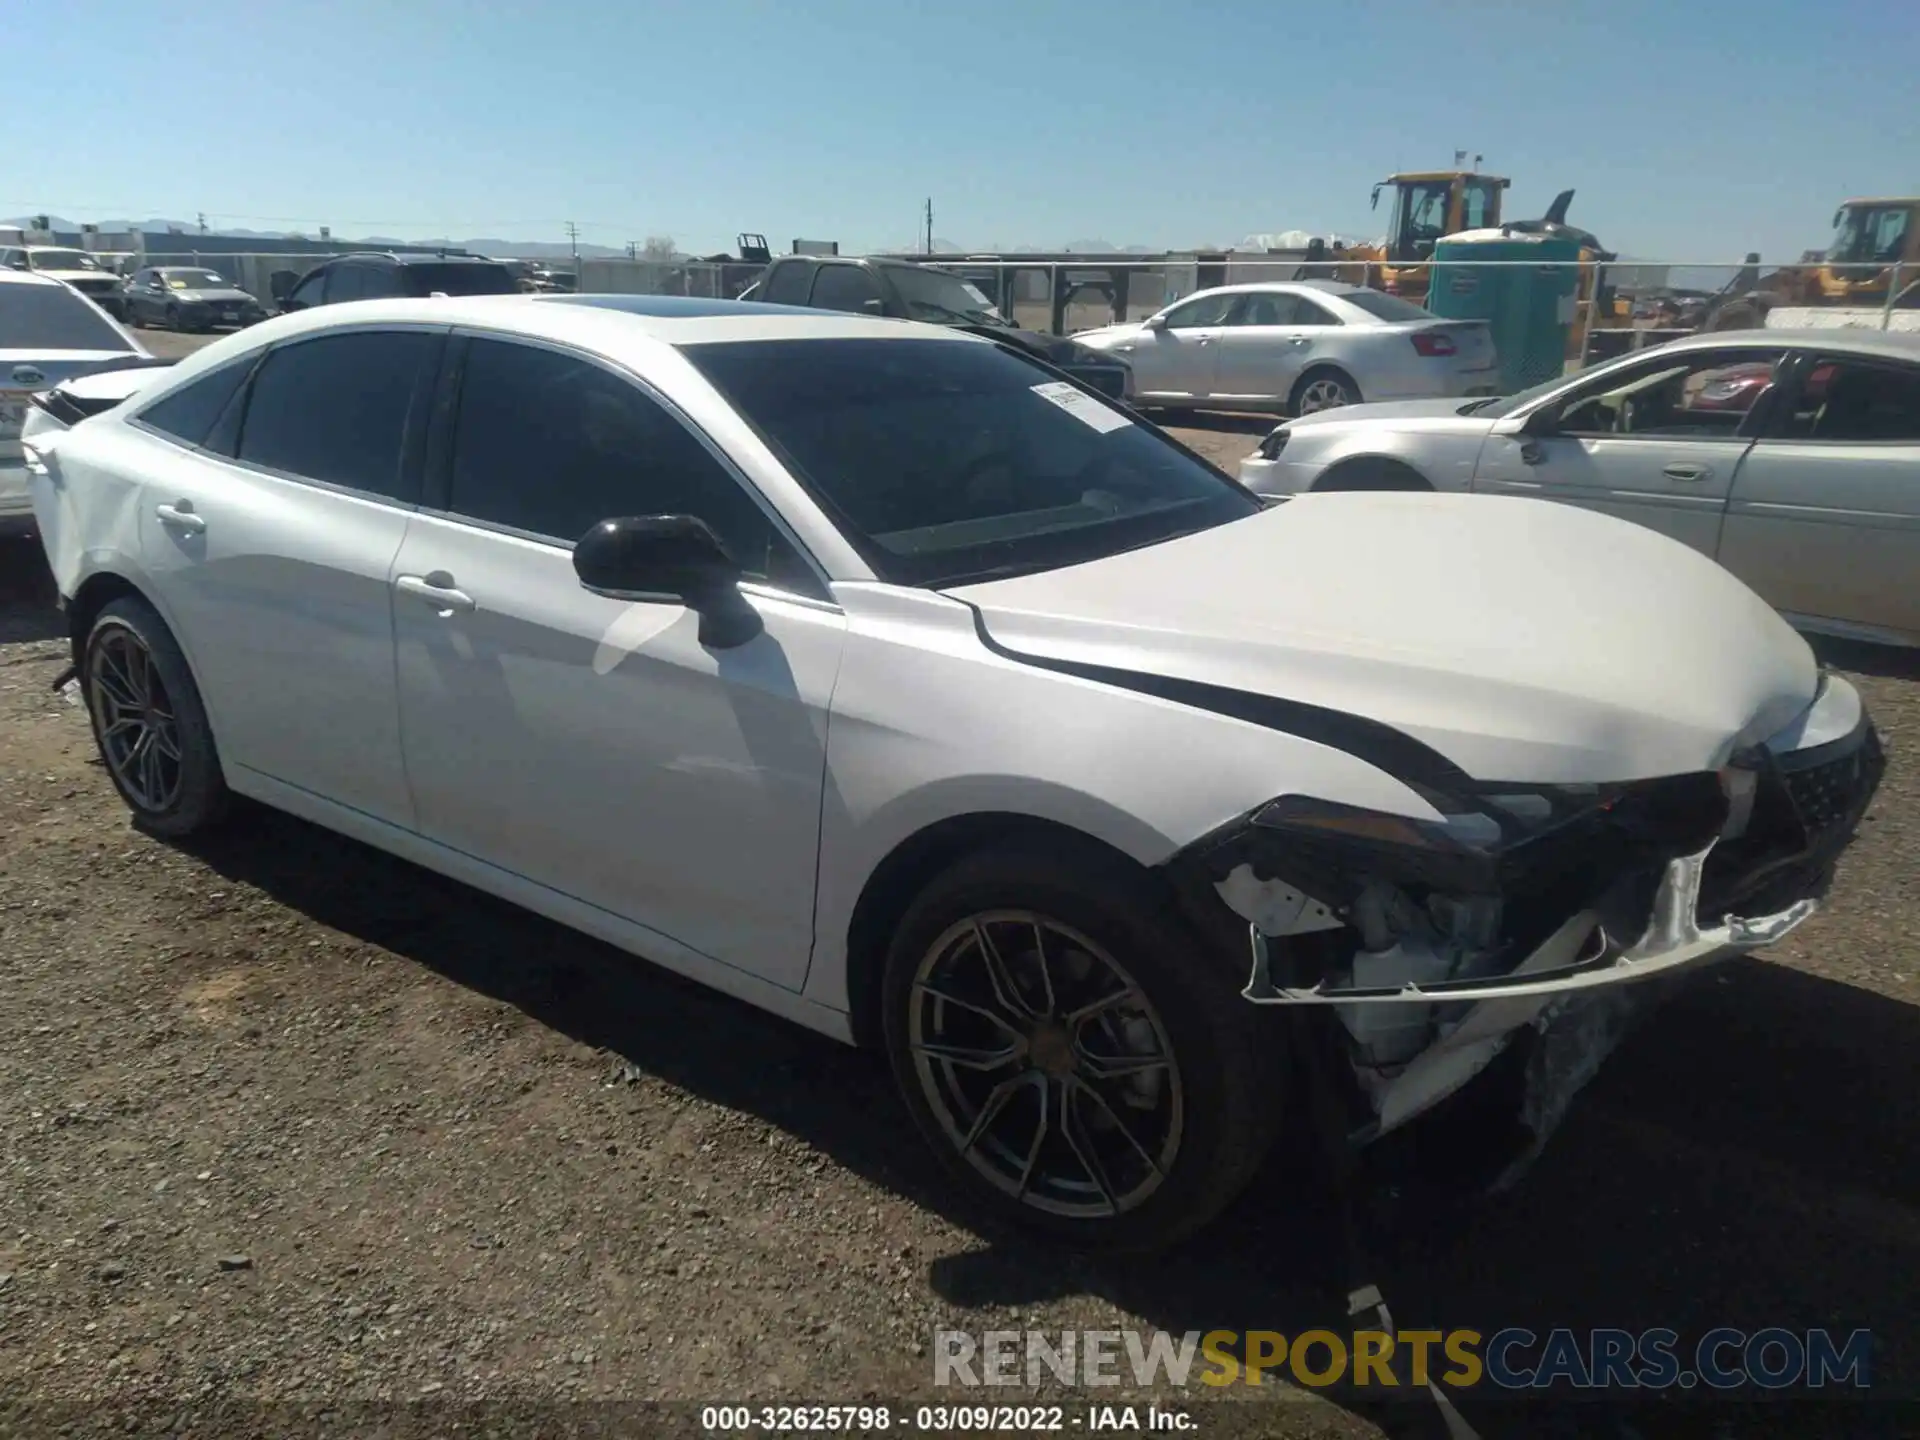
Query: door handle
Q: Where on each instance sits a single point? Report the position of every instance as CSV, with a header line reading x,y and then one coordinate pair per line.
x,y
438,591
179,516
1682,470
1204,340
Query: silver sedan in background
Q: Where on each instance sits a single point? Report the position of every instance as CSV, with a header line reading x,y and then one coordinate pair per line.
x,y
1790,456
1298,347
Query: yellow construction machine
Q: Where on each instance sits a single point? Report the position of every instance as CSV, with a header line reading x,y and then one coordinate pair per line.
x,y
1426,205
1874,260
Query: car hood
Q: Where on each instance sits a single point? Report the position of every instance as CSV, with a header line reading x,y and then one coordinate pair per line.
x,y
1104,335
1520,640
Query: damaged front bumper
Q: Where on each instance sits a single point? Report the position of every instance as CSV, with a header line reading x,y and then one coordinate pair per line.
x,y
1435,945
1578,956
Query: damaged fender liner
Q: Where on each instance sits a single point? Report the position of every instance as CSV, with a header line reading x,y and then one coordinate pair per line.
x,y
1382,746
1673,937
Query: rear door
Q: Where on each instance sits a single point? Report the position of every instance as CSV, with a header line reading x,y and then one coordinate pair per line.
x,y
1824,519
269,546
1176,361
1657,443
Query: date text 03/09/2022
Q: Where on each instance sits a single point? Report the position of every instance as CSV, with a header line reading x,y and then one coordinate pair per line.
x,y
941,1419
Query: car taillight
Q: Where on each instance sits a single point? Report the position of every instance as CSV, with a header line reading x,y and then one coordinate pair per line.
x,y
1432,345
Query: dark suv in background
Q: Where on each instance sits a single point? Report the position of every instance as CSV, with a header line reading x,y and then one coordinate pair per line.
x,y
381,276
904,290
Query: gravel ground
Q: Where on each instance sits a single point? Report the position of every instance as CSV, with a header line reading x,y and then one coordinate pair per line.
x,y
288,1119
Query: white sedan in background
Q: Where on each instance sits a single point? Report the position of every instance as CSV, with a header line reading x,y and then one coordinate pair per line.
x,y
1298,348
1791,457
49,332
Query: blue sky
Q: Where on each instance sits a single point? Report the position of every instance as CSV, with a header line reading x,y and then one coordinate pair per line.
x,y
1690,131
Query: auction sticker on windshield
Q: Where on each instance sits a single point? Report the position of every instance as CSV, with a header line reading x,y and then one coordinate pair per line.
x,y
1082,406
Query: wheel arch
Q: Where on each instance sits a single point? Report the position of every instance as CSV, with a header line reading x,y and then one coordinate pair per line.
x,y
1370,472
1318,368
911,864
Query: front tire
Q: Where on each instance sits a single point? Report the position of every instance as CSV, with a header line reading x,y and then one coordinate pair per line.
x,y
149,722
1080,1062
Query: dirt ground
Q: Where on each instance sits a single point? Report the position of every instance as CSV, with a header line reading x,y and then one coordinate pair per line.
x,y
282,1117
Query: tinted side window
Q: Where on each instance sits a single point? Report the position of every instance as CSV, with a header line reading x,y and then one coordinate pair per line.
x,y
844,287
1842,400
379,282
188,414
1200,313
335,408
552,444
347,282
310,290
1263,308
1311,312
785,285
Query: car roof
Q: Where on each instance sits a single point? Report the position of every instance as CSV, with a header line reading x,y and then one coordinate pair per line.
x,y
413,257
610,323
1256,287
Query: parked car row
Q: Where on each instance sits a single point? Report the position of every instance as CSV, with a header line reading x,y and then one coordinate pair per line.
x,y
872,672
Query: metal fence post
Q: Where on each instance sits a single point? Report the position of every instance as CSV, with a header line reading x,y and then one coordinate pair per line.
x,y
1893,291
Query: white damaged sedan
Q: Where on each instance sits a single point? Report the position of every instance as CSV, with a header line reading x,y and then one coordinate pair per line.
x,y
888,680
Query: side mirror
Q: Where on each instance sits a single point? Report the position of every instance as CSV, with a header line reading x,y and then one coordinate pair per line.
x,y
1156,322
669,557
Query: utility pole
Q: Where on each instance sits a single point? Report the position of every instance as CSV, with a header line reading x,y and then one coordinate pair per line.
x,y
929,225
573,239
203,222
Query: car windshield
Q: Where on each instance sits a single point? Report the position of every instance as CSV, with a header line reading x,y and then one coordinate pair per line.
x,y
62,260
1390,308
43,317
943,298
945,461
462,279
195,280
1870,232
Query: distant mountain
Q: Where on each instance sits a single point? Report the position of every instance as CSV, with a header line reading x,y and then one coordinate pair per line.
x,y
490,245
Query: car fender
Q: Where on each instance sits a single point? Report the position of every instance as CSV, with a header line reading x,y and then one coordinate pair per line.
x,y
1445,461
1010,737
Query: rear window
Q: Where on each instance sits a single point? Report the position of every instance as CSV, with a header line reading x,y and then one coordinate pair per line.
x,y
460,279
51,317
1390,308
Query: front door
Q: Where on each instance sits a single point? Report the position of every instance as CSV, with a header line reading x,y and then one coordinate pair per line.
x,y
1657,443
1269,339
275,562
593,745
1176,361
1825,516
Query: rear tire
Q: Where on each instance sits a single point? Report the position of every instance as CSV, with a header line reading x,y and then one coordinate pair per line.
x,y
149,722
1323,389
1108,1017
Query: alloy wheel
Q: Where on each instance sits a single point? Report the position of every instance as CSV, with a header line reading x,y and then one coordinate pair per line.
x,y
1325,393
133,716
1045,1064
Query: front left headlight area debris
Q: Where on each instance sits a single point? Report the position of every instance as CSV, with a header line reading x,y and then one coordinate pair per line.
x,y
1434,942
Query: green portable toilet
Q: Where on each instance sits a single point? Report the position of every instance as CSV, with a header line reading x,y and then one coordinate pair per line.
x,y
1529,306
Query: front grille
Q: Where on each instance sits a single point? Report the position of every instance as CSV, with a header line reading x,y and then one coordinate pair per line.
x,y
1805,811
1827,790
